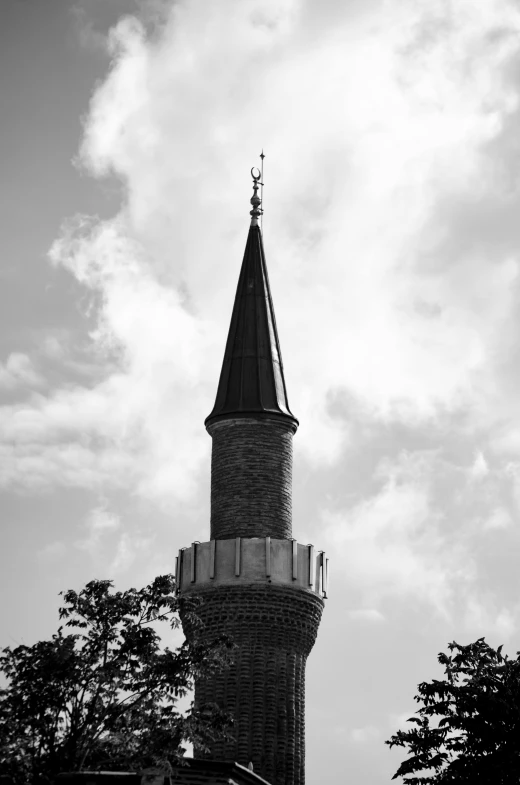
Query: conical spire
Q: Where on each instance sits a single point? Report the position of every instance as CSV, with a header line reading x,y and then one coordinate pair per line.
x,y
252,381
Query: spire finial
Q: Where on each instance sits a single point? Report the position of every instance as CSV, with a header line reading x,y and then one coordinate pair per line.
x,y
262,156
256,212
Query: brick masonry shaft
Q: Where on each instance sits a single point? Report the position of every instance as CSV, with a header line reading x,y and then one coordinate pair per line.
x,y
274,628
251,478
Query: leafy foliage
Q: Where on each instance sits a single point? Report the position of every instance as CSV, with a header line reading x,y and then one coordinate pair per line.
x,y
468,728
105,695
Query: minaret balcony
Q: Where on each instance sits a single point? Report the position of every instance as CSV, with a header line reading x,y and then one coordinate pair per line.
x,y
247,560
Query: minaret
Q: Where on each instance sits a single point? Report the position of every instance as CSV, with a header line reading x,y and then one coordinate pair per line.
x,y
257,583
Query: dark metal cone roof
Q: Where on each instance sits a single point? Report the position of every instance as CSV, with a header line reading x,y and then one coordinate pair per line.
x,y
252,380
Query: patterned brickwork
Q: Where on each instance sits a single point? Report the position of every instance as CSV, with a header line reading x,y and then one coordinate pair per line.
x,y
274,628
251,478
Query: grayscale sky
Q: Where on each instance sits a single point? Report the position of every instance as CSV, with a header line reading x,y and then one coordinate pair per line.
x,y
392,203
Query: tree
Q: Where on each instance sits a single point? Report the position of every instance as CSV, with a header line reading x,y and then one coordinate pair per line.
x,y
105,695
468,728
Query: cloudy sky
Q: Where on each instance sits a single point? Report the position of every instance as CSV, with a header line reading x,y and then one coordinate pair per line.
x,y
392,198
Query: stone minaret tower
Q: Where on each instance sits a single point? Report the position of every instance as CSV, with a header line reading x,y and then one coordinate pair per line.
x,y
257,583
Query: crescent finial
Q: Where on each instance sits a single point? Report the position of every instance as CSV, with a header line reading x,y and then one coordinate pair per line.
x,y
256,212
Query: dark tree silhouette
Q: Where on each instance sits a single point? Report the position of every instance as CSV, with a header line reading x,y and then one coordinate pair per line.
x,y
468,727
105,696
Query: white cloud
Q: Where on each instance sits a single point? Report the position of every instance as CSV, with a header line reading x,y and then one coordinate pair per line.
x,y
130,547
115,544
391,232
506,623
99,523
422,532
391,543
373,121
364,735
399,720
408,540
366,614
53,347
19,371
499,518
512,471
479,468
53,551
483,617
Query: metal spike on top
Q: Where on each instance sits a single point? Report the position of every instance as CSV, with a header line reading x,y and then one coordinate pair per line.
x,y
257,211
